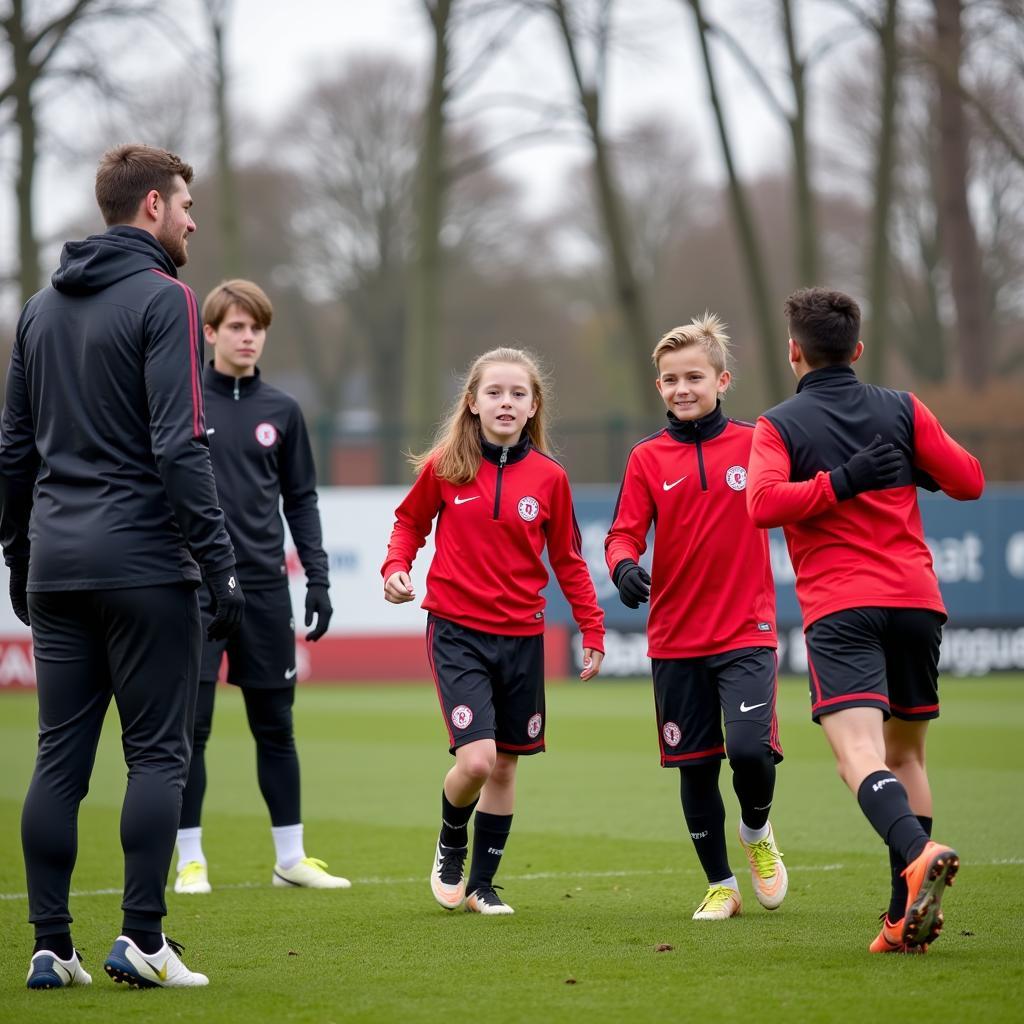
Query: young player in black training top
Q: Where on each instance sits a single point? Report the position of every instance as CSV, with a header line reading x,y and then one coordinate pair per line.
x,y
106,497
261,457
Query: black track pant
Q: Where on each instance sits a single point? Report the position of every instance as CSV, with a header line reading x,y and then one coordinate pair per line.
x,y
141,647
269,712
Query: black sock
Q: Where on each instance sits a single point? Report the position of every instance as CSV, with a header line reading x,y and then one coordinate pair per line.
x,y
898,899
885,804
753,773
705,817
58,943
454,821
148,942
490,833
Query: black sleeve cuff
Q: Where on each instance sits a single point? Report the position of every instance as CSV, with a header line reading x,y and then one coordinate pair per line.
x,y
841,484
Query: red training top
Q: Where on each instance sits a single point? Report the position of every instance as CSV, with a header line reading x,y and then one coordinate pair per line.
x,y
868,551
487,572
711,579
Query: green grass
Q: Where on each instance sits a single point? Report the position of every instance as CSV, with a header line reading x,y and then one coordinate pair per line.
x,y
599,869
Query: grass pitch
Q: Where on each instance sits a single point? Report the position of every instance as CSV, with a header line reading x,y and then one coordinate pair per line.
x,y
599,869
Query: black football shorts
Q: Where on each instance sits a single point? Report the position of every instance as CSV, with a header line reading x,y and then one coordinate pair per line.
x,y
261,652
490,686
693,696
886,658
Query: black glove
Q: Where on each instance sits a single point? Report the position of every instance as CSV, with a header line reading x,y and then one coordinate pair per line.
x,y
319,604
228,603
633,582
19,590
873,468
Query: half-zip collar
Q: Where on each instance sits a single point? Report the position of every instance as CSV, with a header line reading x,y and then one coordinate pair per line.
x,y
502,456
513,453
839,376
225,384
695,431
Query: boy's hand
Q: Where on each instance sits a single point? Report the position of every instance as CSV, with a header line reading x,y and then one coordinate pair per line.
x,y
873,468
591,663
633,582
398,588
318,604
228,604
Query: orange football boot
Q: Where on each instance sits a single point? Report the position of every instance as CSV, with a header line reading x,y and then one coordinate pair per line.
x,y
890,939
927,876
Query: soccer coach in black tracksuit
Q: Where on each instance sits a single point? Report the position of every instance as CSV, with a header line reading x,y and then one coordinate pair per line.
x,y
107,503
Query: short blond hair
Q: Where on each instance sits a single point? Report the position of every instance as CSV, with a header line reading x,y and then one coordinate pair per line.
x,y
706,332
244,294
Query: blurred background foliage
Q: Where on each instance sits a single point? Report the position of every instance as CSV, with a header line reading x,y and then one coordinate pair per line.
x,y
380,214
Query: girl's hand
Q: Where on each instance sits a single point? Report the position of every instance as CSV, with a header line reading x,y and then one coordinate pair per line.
x,y
591,662
398,588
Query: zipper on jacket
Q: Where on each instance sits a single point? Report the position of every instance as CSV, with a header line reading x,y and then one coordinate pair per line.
x,y
236,389
497,486
700,465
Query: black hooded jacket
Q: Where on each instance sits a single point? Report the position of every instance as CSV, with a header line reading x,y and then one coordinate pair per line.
x,y
105,476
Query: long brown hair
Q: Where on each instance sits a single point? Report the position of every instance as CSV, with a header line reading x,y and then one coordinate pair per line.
x,y
456,451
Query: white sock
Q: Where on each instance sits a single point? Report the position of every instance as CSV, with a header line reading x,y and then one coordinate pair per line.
x,y
190,846
288,844
729,883
754,835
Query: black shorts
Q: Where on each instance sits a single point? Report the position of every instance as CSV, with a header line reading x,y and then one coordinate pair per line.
x,y
885,658
261,653
692,696
489,686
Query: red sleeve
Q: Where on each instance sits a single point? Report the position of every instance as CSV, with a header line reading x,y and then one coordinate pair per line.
x,y
953,468
570,568
413,520
772,498
634,511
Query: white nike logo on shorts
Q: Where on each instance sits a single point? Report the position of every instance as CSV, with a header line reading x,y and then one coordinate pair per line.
x,y
744,707
668,486
290,673
462,501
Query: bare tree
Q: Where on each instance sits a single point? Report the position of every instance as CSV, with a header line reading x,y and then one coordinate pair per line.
x,y
629,290
422,390
357,141
879,260
749,242
218,15
794,114
959,238
56,48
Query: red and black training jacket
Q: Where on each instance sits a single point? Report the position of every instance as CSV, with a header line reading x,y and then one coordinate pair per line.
x,y
868,551
711,580
487,572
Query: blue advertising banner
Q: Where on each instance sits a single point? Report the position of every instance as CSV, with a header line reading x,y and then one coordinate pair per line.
x,y
978,553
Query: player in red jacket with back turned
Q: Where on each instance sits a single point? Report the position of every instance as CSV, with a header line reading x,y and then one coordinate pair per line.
x,y
838,466
711,630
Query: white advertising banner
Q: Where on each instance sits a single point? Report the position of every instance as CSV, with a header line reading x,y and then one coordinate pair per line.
x,y
357,522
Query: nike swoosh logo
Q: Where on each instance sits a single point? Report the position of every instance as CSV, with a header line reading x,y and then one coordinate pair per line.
x,y
162,973
668,486
290,674
744,707
210,431
462,501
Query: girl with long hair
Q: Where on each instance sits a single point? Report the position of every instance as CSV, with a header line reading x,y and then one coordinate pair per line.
x,y
499,499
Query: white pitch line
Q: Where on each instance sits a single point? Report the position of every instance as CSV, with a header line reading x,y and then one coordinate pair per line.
x,y
531,877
